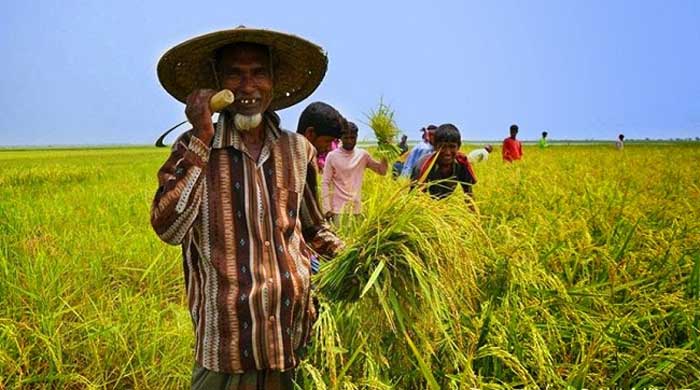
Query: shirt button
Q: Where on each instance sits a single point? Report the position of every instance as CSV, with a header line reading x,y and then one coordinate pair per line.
x,y
267,243
272,318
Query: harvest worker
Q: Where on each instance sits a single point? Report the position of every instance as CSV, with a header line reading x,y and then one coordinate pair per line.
x,y
620,143
321,124
443,170
512,148
543,141
420,150
231,195
480,155
397,167
341,184
403,145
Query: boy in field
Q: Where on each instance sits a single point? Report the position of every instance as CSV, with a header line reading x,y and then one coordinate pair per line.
x,y
343,173
443,170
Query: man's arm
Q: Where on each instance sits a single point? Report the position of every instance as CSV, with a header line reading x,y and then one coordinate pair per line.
x,y
467,187
379,167
176,203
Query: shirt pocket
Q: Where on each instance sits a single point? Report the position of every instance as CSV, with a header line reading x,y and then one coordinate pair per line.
x,y
287,210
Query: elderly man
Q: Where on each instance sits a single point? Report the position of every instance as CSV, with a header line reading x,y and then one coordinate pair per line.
x,y
235,196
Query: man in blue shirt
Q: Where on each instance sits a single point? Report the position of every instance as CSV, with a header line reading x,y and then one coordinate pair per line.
x,y
420,150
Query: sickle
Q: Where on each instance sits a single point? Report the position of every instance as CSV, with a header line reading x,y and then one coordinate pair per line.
x,y
217,103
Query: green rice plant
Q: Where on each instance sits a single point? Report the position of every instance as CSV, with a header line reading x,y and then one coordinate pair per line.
x,y
381,120
569,273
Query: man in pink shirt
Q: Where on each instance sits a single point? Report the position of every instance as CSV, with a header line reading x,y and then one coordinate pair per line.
x,y
341,184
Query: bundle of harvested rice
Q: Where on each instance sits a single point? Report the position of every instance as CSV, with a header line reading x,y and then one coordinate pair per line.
x,y
385,130
402,269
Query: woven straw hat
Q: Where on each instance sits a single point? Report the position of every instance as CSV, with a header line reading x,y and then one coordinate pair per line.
x,y
298,65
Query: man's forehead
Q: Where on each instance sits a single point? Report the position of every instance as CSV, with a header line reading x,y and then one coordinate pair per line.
x,y
243,52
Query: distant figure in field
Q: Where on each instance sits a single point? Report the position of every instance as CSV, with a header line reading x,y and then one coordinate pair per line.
x,y
450,168
397,167
512,148
620,143
403,145
480,155
343,174
543,141
420,150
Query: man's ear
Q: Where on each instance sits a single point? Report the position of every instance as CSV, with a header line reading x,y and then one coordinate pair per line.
x,y
310,133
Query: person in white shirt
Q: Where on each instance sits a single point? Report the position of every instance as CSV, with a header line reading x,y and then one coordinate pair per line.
x,y
480,155
620,143
343,173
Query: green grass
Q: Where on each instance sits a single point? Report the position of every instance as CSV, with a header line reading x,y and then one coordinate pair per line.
x,y
581,268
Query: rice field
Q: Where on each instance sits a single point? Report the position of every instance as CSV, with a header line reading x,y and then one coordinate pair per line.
x,y
580,269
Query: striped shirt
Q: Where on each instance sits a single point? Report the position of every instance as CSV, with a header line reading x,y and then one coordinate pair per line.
x,y
248,230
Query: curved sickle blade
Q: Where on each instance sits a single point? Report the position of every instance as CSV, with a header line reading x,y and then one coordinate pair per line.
x,y
159,141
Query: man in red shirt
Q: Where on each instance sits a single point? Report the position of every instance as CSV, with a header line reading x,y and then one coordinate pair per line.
x,y
512,148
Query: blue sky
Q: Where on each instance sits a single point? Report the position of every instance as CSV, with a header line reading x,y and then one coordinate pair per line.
x,y
83,72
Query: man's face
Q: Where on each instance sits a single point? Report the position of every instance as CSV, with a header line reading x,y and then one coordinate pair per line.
x,y
429,136
448,152
245,70
349,139
323,143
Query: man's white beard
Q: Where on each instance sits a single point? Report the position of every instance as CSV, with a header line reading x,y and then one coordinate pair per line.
x,y
247,122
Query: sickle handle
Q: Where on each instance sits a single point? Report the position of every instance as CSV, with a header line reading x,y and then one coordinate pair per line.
x,y
220,100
